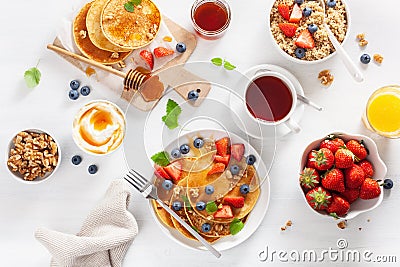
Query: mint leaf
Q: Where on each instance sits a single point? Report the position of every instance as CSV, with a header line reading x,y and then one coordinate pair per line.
x,y
161,158
186,201
217,61
236,226
229,66
173,111
129,6
211,207
32,77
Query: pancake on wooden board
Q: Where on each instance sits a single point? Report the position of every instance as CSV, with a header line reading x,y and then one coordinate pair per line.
x,y
93,20
86,46
130,30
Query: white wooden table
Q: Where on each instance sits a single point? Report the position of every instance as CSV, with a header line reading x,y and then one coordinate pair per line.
x,y
63,202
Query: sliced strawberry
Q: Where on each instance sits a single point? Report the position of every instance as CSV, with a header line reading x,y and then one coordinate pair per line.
x,y
174,170
222,159
225,212
162,52
161,173
222,146
237,151
217,168
296,15
305,40
288,29
236,202
284,10
148,57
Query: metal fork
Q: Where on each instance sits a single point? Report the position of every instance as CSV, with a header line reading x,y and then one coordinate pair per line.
x,y
148,190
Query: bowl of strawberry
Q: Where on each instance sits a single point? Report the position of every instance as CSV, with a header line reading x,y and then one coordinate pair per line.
x,y
342,175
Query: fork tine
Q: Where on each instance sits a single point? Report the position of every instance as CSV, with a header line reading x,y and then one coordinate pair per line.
x,y
139,177
133,183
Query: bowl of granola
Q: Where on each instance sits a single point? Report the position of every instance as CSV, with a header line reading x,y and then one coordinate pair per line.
x,y
33,156
296,26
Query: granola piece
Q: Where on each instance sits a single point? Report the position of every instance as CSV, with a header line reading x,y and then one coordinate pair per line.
x,y
114,55
363,43
283,228
83,34
360,36
342,224
325,77
289,223
378,58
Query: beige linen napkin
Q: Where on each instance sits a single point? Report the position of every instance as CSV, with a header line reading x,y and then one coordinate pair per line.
x,y
104,238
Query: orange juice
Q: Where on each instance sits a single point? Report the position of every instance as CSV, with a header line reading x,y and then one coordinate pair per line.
x,y
383,112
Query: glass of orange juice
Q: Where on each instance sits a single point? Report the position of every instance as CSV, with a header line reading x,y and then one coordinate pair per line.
x,y
382,114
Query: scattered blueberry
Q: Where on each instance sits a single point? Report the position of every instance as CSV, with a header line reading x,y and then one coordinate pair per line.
x,y
235,169
365,58
200,205
387,184
312,28
180,47
167,184
198,143
175,153
307,11
73,94
251,159
74,84
177,205
331,3
209,189
184,149
299,2
244,189
85,90
206,227
92,169
76,160
300,52
193,95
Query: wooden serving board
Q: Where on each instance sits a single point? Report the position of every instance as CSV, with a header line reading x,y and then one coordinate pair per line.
x,y
181,80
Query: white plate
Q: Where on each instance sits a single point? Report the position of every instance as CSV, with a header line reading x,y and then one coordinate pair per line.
x,y
253,128
255,217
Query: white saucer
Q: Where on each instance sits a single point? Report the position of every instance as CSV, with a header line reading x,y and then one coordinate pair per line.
x,y
251,127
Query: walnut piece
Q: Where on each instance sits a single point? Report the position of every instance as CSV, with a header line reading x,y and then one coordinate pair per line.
x,y
325,77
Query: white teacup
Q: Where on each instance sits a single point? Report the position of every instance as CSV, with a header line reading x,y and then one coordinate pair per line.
x,y
287,119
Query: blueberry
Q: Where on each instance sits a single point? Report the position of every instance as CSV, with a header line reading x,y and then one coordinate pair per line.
x,y
167,184
299,2
193,95
177,205
387,184
331,3
307,11
198,143
181,47
184,149
235,169
312,28
244,189
200,205
300,52
92,169
175,153
85,90
209,189
74,84
206,227
76,160
365,58
73,94
251,159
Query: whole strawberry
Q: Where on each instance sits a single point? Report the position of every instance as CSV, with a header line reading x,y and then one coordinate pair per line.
x,y
321,160
358,149
370,189
351,195
332,142
338,207
333,180
354,176
318,198
309,178
344,158
367,168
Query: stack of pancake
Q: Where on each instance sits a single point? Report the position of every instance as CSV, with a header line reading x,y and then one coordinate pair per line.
x,y
106,32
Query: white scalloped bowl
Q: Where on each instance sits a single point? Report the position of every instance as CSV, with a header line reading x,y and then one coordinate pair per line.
x,y
380,170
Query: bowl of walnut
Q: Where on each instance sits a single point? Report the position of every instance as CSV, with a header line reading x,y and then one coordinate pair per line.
x,y
33,156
